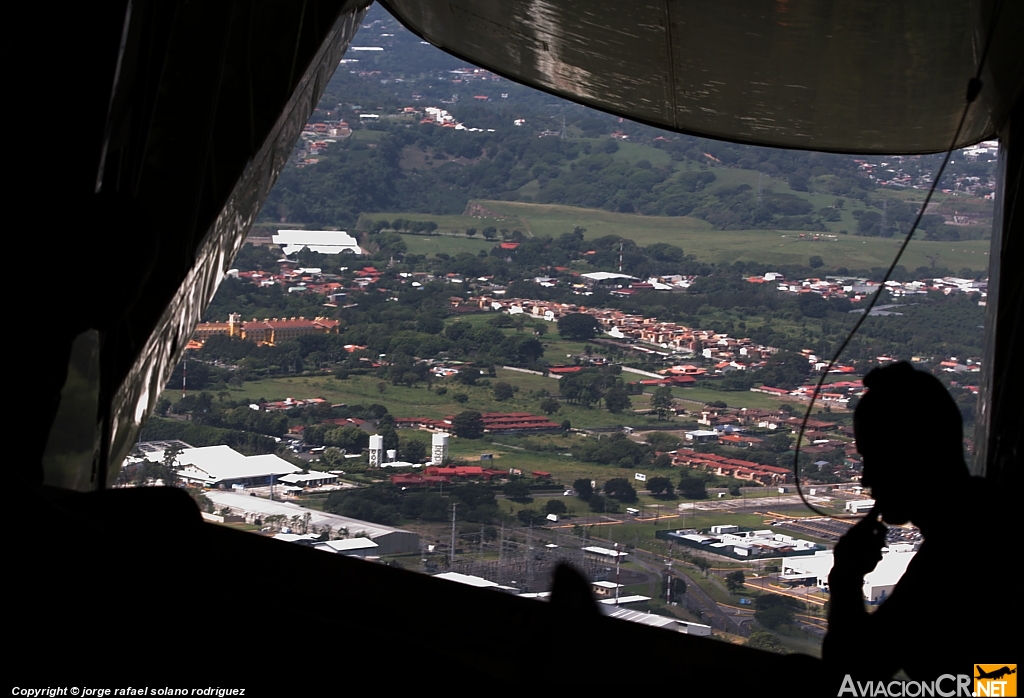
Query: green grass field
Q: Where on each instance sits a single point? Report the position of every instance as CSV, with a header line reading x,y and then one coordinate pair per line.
x,y
445,223
420,401
698,237
739,398
448,244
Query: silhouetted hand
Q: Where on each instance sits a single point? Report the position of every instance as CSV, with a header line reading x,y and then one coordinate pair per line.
x,y
860,549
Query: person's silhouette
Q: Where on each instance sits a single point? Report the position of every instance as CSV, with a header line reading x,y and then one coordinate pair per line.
x,y
936,621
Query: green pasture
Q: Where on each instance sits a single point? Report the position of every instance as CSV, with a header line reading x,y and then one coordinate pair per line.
x,y
448,244
698,237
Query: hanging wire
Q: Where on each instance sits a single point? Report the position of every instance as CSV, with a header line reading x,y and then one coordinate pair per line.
x,y
973,89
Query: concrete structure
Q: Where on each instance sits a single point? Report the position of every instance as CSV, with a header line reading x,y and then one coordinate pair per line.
x,y
606,588
389,540
222,467
878,584
376,450
656,621
325,241
438,449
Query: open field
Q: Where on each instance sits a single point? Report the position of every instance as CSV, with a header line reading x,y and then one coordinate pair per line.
x,y
738,398
696,236
420,401
445,223
448,244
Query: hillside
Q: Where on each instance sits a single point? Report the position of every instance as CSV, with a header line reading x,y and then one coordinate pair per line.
x,y
517,145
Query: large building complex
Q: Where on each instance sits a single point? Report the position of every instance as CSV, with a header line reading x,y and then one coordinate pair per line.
x,y
878,584
732,541
272,331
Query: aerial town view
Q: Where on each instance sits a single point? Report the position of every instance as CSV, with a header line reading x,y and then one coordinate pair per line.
x,y
478,331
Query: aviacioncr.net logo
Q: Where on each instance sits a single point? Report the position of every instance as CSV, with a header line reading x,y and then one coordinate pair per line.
x,y
946,686
995,679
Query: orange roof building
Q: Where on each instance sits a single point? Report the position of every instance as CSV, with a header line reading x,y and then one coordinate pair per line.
x,y
271,331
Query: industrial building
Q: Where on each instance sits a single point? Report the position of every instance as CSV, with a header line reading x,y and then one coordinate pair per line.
x,y
878,584
353,547
223,467
604,553
323,241
656,621
734,542
862,506
475,581
389,540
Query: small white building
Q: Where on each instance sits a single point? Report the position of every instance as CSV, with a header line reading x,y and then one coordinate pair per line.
x,y
861,506
700,436
606,588
353,547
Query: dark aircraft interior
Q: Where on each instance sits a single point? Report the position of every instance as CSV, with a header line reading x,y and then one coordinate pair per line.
x,y
178,118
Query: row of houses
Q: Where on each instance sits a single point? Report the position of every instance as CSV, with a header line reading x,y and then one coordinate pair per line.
x,y
494,423
856,289
732,467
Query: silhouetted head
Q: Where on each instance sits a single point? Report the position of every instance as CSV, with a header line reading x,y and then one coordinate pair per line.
x,y
910,435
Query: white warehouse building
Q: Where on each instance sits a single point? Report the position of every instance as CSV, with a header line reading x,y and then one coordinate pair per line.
x,y
223,467
324,241
878,584
388,540
656,621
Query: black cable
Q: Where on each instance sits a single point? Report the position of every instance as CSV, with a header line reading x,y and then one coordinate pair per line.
x,y
974,86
